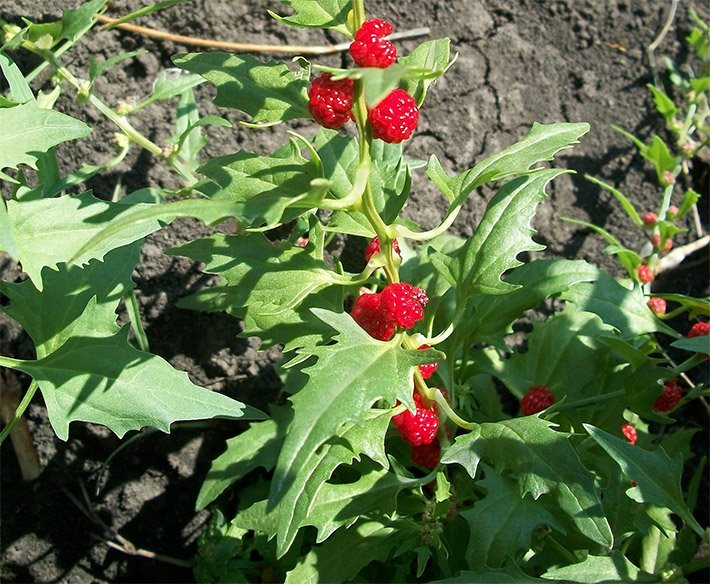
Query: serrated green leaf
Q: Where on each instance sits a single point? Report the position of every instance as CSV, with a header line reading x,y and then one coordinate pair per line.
x,y
659,539
663,103
7,241
544,462
432,55
657,476
271,189
626,310
269,92
105,380
502,523
598,570
339,156
28,129
503,233
52,231
76,21
690,198
168,84
331,14
74,301
368,370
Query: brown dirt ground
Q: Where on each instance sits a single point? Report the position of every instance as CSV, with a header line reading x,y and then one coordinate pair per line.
x,y
520,62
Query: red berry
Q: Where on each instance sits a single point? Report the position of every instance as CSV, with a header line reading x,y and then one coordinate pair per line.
x,y
668,245
418,428
370,48
672,393
649,219
331,102
630,432
536,399
427,455
374,247
699,329
672,212
367,312
656,240
394,119
403,304
657,305
645,274
427,370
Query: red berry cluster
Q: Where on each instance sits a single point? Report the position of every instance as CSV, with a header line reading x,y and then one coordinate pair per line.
x,y
649,219
398,305
331,102
418,428
537,398
657,305
645,274
700,329
427,455
630,433
374,247
672,392
370,47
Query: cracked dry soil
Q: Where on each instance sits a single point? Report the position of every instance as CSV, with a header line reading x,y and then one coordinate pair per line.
x,y
519,62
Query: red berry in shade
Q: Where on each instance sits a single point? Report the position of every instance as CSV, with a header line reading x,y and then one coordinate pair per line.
x,y
394,119
657,305
630,433
374,247
403,304
427,369
370,48
427,455
537,398
645,274
699,329
672,393
367,312
418,428
649,219
331,102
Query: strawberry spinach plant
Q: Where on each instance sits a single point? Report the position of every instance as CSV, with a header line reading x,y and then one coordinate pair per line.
x,y
414,440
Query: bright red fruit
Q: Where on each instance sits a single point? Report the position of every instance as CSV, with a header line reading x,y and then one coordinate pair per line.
x,y
331,102
403,304
630,433
374,247
427,369
427,455
671,395
369,47
367,312
394,119
645,274
537,398
699,329
649,219
418,428
657,305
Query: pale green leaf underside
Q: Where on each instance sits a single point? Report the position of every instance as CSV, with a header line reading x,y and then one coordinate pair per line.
x,y
613,568
107,381
322,14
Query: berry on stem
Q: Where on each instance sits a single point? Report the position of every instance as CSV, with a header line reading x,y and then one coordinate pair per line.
x,y
657,305
699,329
369,47
367,312
374,247
403,304
418,428
394,119
671,395
427,369
649,219
331,102
537,398
645,274
427,455
630,433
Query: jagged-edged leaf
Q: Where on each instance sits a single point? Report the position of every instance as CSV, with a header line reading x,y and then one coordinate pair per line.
x,y
430,55
269,92
502,523
544,462
349,550
51,231
7,241
657,476
659,538
105,380
256,447
540,144
503,233
29,129
368,370
270,189
322,14
595,569
624,309
76,21
74,301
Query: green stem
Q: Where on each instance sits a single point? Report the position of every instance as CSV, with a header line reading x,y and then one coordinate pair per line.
x,y
19,412
136,324
563,551
431,233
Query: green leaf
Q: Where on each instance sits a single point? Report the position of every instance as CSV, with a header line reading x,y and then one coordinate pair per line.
x,y
663,103
74,301
19,88
154,7
619,196
331,14
544,462
657,476
7,241
502,523
339,156
503,233
269,92
696,344
29,129
430,55
368,370
75,22
598,570
168,84
626,310
105,380
98,68
348,551
271,189
690,198
508,575
51,231
657,154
